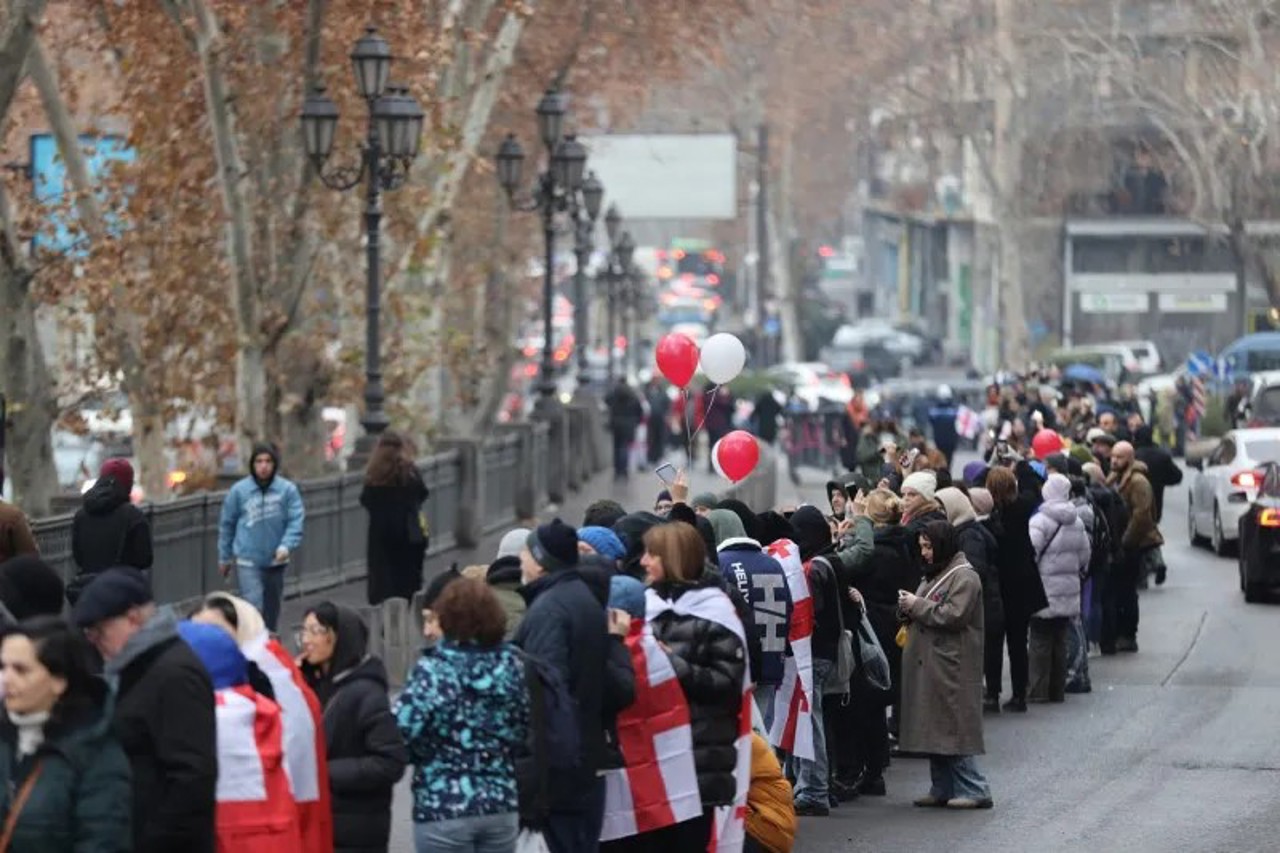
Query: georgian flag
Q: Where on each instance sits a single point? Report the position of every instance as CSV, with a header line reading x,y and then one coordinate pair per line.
x,y
792,728
255,810
968,422
658,787
304,742
729,824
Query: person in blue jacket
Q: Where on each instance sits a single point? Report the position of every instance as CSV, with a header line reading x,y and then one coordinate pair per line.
x,y
261,526
942,420
760,579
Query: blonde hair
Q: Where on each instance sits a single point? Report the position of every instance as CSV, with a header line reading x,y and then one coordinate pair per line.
x,y
884,507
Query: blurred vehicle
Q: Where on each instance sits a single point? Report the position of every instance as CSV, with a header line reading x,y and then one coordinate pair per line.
x,y
814,383
1253,354
868,362
697,332
691,260
1226,484
1262,407
107,413
897,340
1145,355
1259,538
76,457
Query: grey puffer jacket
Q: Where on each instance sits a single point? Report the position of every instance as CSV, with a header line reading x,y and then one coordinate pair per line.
x,y
1060,540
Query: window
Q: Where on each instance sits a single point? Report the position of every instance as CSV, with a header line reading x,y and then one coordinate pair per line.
x,y
1225,454
1263,450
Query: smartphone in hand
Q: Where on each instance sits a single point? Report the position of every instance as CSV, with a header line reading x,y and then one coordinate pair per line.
x,y
666,473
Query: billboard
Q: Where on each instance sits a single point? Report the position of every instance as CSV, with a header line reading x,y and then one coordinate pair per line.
x,y
48,180
668,176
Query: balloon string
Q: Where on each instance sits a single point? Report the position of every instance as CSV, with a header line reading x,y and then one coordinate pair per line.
x,y
688,439
711,399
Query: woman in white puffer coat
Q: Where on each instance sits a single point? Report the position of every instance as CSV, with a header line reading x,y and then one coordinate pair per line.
x,y
1061,545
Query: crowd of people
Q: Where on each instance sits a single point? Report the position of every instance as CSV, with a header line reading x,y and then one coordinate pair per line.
x,y
695,674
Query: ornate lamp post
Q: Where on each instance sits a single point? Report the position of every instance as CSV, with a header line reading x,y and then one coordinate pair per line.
x,y
390,147
585,216
557,190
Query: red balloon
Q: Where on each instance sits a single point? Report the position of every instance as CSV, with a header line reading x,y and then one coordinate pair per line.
x,y
738,453
1046,442
677,357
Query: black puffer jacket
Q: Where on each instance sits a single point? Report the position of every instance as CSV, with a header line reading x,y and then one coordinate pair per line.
x,y
983,552
1021,589
710,662
109,530
367,755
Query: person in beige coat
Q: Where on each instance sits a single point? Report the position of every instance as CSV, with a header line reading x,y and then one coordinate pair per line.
x,y
942,673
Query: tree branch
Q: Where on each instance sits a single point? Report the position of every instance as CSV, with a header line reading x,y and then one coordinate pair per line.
x,y
23,17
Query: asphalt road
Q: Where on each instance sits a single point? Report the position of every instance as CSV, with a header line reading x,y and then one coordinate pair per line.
x,y
1175,749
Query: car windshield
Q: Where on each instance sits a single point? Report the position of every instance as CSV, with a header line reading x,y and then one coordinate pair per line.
x,y
1263,449
1267,404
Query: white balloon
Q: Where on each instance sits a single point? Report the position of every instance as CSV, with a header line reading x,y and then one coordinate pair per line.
x,y
723,357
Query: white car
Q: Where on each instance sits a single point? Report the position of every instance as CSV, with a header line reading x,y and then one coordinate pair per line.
x,y
1227,483
814,382
1144,354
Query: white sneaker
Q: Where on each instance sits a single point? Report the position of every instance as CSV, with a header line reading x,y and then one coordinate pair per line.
x,y
1095,651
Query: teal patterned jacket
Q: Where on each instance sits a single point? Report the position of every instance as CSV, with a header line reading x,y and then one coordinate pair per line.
x,y
463,712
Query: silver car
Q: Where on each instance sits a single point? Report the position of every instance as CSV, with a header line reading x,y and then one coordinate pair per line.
x,y
1227,483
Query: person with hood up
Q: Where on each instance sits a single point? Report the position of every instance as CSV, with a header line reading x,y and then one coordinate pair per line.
x,y
1141,535
566,627
300,712
503,575
760,580
164,712
983,553
1061,543
817,552
393,495
29,588
366,753
463,713
631,529
261,525
59,757
942,673
876,575
108,530
256,812
838,497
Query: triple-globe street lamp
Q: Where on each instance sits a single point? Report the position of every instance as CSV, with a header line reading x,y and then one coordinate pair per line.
x,y
390,146
563,187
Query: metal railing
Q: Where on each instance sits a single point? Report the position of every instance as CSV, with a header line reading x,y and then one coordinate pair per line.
x,y
476,489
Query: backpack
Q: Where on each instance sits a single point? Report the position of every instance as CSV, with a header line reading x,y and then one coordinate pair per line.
x,y
553,715
1101,540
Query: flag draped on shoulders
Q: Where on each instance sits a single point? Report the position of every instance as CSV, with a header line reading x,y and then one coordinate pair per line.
x,y
658,787
304,743
728,828
255,812
792,728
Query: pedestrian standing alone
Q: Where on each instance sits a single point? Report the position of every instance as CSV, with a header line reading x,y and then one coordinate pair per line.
x,y
463,713
710,661
367,755
261,525
393,495
65,772
1061,543
942,673
108,530
625,416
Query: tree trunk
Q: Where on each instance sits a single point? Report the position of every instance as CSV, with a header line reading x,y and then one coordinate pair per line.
x,y
149,443
251,397
28,391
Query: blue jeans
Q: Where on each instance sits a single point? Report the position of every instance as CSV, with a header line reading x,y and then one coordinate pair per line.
x,y
263,587
811,776
491,833
765,695
957,776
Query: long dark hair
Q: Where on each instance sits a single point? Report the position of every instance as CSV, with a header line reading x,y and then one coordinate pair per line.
x,y
67,655
391,463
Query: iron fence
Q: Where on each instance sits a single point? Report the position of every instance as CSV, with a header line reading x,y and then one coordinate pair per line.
x,y
333,551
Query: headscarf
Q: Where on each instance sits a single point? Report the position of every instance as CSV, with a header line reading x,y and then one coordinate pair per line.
x,y
945,545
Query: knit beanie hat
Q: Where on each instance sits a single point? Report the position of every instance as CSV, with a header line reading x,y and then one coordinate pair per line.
x,y
118,469
554,545
975,473
627,594
924,482
705,500
603,541
983,503
437,585
512,542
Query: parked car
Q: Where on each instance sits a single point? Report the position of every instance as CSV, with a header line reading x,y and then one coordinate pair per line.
x,y
1145,355
1227,483
814,382
1262,408
1259,538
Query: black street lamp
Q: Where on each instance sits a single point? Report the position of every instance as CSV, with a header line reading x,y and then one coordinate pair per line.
x,y
621,250
562,187
585,217
390,147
